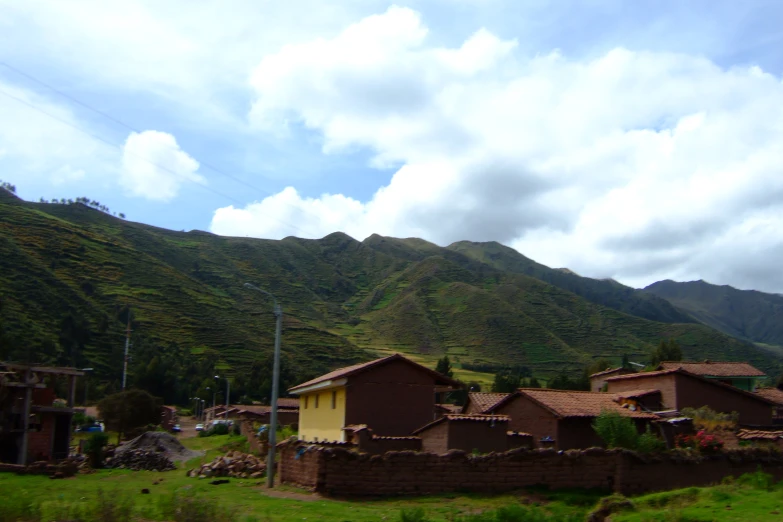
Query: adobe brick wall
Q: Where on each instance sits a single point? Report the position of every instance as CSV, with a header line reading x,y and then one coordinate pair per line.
x,y
340,472
483,437
529,417
436,439
39,443
664,383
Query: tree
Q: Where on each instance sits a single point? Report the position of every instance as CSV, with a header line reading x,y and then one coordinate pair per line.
x,y
122,216
564,382
533,383
598,366
444,367
667,351
7,186
506,382
625,364
129,410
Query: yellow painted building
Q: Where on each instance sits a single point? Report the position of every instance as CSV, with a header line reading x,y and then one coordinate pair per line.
x,y
322,415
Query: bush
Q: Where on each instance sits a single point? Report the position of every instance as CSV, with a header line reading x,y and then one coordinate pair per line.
x,y
757,480
701,442
709,419
649,443
617,431
413,515
94,448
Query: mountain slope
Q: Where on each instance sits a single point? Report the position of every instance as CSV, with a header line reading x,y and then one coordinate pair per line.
x,y
68,274
747,314
603,292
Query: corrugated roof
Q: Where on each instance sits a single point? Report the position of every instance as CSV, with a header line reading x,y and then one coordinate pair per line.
x,y
484,401
633,394
772,394
568,403
341,373
470,417
714,369
610,371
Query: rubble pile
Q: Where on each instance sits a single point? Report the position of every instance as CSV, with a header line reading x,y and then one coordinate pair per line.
x,y
139,460
233,464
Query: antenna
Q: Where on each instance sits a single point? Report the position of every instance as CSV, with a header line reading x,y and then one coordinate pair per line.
x,y
127,346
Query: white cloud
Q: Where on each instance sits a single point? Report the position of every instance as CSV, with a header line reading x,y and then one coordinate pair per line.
x,y
634,165
154,167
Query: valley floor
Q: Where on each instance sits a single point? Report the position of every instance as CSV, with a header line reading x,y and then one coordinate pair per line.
x,y
33,498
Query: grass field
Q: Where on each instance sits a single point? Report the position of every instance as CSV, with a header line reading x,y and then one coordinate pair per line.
x,y
173,496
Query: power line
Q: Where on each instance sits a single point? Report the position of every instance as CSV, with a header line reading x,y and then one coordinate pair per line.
x,y
134,129
125,151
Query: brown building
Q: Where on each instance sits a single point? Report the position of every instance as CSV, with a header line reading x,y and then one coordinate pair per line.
x,y
566,416
738,374
392,396
776,396
482,402
682,389
34,424
477,432
598,380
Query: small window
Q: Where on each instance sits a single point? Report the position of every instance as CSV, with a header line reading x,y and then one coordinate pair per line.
x,y
334,399
306,401
316,401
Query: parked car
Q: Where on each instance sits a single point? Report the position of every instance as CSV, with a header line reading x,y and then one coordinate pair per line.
x,y
199,427
176,428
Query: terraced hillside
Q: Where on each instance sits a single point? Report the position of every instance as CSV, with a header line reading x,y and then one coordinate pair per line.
x,y
747,314
68,274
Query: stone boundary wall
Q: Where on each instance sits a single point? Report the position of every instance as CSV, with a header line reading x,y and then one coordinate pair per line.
x,y
343,473
61,470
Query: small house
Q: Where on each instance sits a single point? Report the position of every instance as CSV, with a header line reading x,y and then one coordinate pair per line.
x,y
776,396
738,374
598,380
392,396
681,389
482,402
34,424
563,418
471,433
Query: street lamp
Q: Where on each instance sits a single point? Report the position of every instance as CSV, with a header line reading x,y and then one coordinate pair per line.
x,y
270,463
201,412
228,392
85,384
195,410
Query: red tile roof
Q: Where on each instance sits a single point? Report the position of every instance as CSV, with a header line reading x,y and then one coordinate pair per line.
x,y
567,403
484,401
759,435
473,417
714,369
288,403
772,394
341,373
451,408
642,375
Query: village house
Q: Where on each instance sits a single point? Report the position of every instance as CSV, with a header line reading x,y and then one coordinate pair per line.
x,y
470,433
681,389
287,412
563,418
738,374
34,424
392,396
598,380
482,402
776,396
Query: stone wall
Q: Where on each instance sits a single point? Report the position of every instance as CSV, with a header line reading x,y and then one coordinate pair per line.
x,y
340,472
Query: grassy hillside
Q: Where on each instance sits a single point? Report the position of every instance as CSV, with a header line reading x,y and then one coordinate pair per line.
x,y
68,274
747,314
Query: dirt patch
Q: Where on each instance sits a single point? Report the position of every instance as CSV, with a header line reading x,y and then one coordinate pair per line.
x,y
159,442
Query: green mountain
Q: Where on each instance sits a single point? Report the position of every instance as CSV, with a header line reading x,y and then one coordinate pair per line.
x,y
69,274
746,314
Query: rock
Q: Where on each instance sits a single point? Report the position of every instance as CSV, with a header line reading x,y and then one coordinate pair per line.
x,y
256,475
145,491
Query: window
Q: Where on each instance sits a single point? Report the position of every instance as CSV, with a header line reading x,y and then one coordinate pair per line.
x,y
316,401
334,399
306,401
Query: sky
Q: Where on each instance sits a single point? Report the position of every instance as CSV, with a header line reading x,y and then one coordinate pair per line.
x,y
637,141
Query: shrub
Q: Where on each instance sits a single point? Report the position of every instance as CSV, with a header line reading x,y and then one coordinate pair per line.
x,y
413,515
94,448
702,442
709,419
617,431
649,443
757,480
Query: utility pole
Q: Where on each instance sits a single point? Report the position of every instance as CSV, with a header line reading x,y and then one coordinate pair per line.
x,y
270,462
228,390
127,347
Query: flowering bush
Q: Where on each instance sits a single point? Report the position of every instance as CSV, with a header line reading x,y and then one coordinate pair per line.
x,y
702,442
